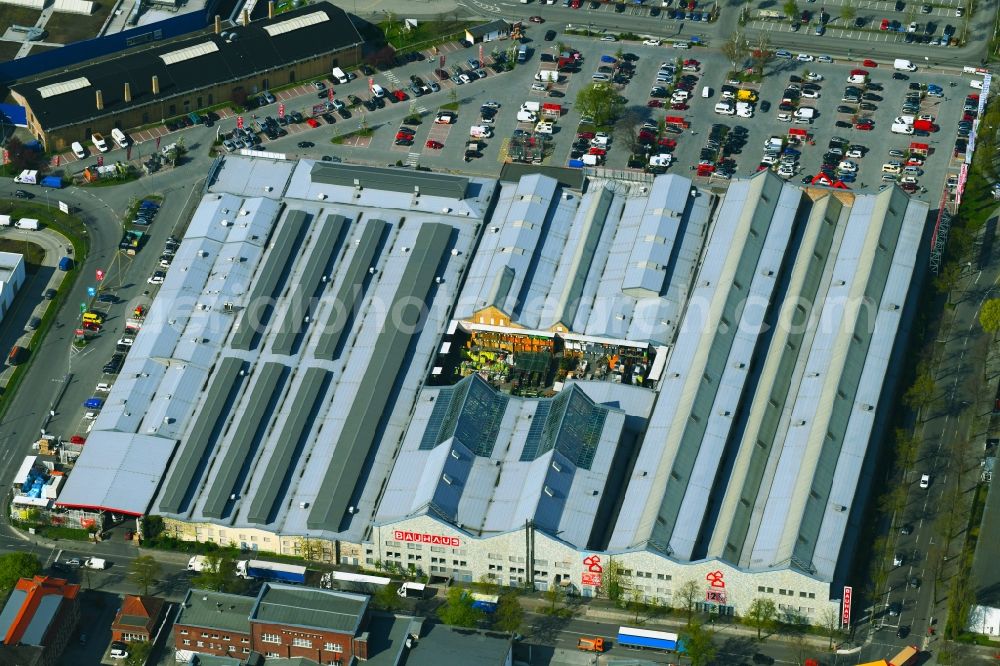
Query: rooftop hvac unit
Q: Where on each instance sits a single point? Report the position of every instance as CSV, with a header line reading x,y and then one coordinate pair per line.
x,y
800,422
454,252
446,209
303,505
225,223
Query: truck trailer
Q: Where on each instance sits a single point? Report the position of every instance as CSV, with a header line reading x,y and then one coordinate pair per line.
x,y
273,571
631,637
55,182
410,590
197,563
906,656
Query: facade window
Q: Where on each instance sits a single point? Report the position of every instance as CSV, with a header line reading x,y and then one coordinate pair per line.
x,y
187,641
270,655
184,632
200,644
271,638
439,549
246,650
244,640
770,590
204,634
302,642
333,647
226,638
760,588
232,648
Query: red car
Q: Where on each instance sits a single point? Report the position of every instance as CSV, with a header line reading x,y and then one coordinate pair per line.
x,y
400,95
404,135
870,63
76,439
92,326
585,135
436,145
884,25
597,151
667,142
678,106
864,125
646,134
655,103
312,122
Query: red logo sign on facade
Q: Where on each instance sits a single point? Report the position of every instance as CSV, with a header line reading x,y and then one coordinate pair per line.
x,y
715,596
433,539
715,579
595,570
845,615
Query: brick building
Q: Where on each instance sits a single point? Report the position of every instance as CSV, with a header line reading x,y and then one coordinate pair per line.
x,y
137,619
38,620
147,85
325,626
214,623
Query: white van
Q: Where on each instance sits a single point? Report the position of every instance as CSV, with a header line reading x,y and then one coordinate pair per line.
x,y
805,112
725,108
977,84
339,75
706,92
526,117
378,90
480,132
119,138
901,128
98,140
534,107
78,150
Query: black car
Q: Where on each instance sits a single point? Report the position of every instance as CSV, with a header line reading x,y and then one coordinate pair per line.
x,y
107,298
353,100
859,22
903,631
906,529
556,93
550,35
845,109
305,144
297,117
366,70
404,142
899,76
900,5
23,194
114,365
49,294
328,118
343,112
620,8
868,106
378,102
842,123
895,608
874,87
759,658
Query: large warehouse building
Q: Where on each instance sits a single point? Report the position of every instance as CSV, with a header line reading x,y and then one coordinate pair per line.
x,y
151,84
640,372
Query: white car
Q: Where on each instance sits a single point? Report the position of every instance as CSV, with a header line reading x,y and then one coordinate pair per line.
x,y
681,45
156,278
544,128
810,94
814,77
609,38
824,58
925,480
782,53
744,111
464,78
855,153
804,57
538,86
848,166
786,170
927,117
897,560
600,139
785,117
651,42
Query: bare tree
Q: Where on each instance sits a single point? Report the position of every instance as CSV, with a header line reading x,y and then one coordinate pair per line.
x,y
626,130
735,48
829,619
687,595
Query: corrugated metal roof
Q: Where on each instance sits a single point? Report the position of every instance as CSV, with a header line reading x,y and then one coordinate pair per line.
x,y
328,610
355,441
391,180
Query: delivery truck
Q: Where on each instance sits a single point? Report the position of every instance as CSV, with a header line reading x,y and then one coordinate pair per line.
x,y
197,563
119,138
904,65
339,75
95,563
901,128
273,571
27,223
28,177
634,638
65,264
410,590
906,656
590,644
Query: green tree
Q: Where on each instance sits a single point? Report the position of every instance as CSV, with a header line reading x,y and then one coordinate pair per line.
x,y
152,527
636,603
21,157
14,566
698,642
921,392
687,595
761,614
791,9
601,102
138,653
613,583
386,598
989,315
219,574
761,53
554,595
488,584
144,572
848,13
947,281
510,615
458,611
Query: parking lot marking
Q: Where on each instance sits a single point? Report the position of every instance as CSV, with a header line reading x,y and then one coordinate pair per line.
x,y
413,159
504,155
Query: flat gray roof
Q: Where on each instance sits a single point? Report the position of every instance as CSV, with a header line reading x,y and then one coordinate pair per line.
x,y
310,608
440,645
394,180
218,610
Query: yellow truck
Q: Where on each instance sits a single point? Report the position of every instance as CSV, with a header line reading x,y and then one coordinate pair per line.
x,y
588,644
746,95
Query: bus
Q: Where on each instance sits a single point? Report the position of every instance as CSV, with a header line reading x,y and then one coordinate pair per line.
x,y
631,637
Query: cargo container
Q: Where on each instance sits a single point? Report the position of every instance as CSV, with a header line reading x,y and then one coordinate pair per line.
x,y
261,570
485,602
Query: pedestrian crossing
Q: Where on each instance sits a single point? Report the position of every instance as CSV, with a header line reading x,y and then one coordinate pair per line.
x,y
413,159
393,79
420,109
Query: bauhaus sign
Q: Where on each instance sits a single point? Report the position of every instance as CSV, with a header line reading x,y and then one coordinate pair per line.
x,y
433,539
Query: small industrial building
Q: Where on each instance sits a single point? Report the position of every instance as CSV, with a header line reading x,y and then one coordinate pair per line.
x,y
38,621
11,279
146,85
488,32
